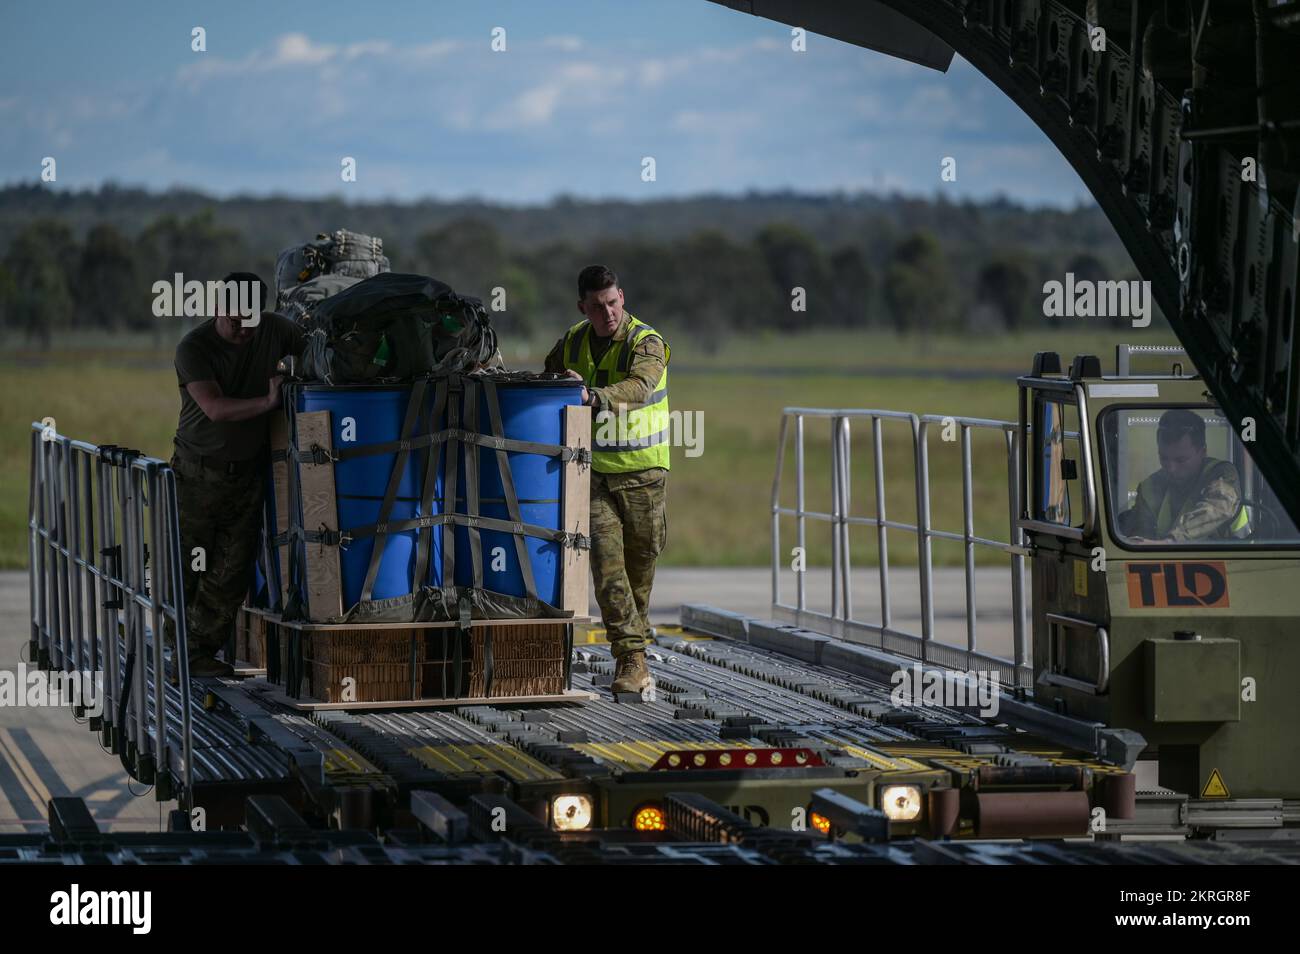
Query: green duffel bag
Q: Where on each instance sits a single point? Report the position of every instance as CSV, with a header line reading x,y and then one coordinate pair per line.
x,y
393,327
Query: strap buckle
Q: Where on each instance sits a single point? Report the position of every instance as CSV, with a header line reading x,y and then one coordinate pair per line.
x,y
332,538
320,455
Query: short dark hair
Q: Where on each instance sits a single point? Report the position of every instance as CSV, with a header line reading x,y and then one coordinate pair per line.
x,y
249,277
1177,423
595,278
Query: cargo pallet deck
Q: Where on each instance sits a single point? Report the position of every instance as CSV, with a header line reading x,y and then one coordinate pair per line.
x,y
434,781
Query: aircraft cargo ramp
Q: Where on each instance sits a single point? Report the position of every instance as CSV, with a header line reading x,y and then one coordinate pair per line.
x,y
746,755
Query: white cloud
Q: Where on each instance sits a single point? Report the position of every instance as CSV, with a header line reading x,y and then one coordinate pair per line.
x,y
429,51
569,44
652,72
296,48
367,48
578,74
581,85
297,51
536,105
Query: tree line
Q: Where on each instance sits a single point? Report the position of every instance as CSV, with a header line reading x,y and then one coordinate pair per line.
x,y
60,272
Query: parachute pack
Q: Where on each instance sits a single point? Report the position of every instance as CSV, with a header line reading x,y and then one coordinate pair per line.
x,y
367,324
332,253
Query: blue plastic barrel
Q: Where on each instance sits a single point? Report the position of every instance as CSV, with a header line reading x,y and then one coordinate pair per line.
x,y
362,415
529,412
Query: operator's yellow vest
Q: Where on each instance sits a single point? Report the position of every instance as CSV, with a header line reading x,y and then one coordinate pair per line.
x,y
1160,502
637,438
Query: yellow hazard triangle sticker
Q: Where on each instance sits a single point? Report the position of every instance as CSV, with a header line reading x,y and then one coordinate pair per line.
x,y
1215,788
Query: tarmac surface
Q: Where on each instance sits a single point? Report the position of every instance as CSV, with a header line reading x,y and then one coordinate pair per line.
x,y
44,753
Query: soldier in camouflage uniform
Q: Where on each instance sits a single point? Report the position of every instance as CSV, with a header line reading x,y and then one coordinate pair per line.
x,y
226,371
624,364
1193,496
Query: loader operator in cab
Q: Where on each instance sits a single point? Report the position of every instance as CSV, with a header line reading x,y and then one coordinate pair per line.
x,y
624,364
226,372
1193,496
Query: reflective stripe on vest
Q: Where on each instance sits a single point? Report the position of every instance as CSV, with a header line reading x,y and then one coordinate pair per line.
x,y
635,438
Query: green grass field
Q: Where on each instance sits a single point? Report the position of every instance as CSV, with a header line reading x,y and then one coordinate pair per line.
x,y
719,501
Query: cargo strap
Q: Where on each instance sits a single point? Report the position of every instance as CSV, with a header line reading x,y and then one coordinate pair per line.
x,y
456,636
458,396
508,486
456,392
266,555
425,546
294,596
343,538
487,661
319,455
409,426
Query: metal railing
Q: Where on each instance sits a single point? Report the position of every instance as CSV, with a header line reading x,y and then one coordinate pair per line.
x,y
105,578
883,633
1124,354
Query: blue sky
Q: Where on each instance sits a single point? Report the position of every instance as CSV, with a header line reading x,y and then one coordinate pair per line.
x,y
414,92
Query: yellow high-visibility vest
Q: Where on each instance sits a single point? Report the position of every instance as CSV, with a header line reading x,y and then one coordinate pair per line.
x,y
1159,500
637,437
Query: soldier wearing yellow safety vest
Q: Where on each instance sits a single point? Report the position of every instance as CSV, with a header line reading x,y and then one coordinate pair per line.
x,y
1192,496
624,364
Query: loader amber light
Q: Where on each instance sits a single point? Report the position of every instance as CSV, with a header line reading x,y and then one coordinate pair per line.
x,y
649,818
820,822
901,802
571,812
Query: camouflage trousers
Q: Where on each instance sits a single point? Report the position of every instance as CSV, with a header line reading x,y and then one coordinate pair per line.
x,y
221,515
629,527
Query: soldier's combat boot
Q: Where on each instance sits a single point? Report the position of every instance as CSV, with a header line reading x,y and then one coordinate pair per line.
x,y
631,674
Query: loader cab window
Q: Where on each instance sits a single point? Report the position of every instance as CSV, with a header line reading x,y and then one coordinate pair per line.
x,y
1179,476
1057,462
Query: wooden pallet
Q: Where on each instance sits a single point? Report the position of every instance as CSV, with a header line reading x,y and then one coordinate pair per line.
x,y
250,641
417,663
276,694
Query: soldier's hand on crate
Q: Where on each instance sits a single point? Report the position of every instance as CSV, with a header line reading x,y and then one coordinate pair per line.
x,y
586,395
273,395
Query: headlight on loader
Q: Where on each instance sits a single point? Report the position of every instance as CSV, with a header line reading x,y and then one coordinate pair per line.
x,y
571,812
901,803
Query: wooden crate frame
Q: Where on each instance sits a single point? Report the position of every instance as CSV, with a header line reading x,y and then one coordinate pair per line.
x,y
319,565
250,640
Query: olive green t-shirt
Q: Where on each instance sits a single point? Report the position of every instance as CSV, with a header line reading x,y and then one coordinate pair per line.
x,y
242,371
